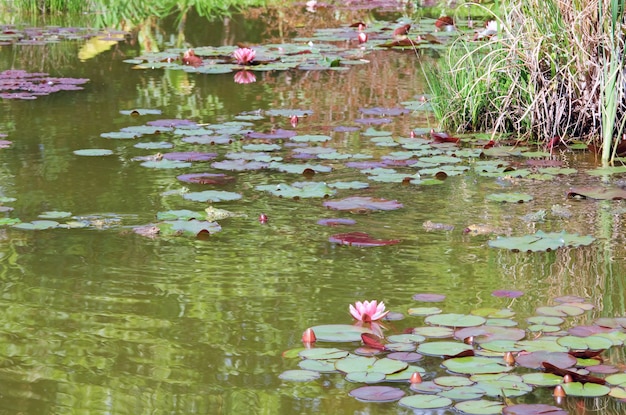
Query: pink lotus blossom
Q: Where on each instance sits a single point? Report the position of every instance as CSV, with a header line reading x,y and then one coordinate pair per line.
x,y
368,310
244,77
244,56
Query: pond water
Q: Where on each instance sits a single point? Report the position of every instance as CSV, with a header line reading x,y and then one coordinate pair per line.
x,y
103,320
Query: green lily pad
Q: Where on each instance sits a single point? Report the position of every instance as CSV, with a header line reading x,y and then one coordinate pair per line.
x,y
310,138
533,409
166,164
188,227
453,381
617,379
544,344
476,364
406,338
405,375
589,390
384,366
455,320
510,197
323,353
541,241
480,407
493,312
93,152
37,225
505,387
299,190
348,185
154,146
365,377
183,214
443,348
500,346
434,332
299,168
562,310
585,343
299,375
339,333
212,196
542,379
463,393
425,402
548,320
322,366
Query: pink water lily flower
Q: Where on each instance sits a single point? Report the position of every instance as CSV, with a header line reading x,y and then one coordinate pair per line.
x,y
368,310
244,56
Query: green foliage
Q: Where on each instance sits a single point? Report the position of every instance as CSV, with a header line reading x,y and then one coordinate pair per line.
x,y
538,78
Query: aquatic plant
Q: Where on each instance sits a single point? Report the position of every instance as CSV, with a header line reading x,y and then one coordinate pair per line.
x,y
538,78
19,84
244,56
367,311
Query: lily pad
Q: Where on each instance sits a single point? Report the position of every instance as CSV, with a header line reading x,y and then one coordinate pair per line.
x,y
212,196
165,164
476,364
55,215
425,402
443,348
363,204
480,407
323,353
299,375
377,393
188,227
541,241
533,409
384,366
455,320
298,190
93,152
597,193
339,333
429,298
589,390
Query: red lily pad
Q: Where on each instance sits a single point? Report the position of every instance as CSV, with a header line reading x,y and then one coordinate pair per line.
x,y
363,204
360,239
377,393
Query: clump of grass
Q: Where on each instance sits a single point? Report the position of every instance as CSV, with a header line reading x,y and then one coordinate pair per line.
x,y
555,68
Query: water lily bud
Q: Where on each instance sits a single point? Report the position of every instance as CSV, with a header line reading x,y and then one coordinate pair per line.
x,y
362,37
416,378
263,218
412,134
309,336
294,120
509,359
559,392
567,378
469,340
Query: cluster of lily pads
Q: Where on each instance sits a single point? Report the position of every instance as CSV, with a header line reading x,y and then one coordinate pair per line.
x,y
477,363
19,84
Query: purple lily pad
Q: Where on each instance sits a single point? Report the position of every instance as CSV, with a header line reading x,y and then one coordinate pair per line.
x,y
5,143
373,121
189,156
273,135
391,112
507,293
533,409
239,165
208,139
206,178
19,84
336,222
429,298
377,393
535,360
360,239
345,129
172,123
362,165
363,204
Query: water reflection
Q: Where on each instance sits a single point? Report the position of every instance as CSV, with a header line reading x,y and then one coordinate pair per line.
x,y
244,77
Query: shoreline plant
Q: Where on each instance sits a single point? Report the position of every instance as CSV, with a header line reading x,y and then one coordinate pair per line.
x,y
554,72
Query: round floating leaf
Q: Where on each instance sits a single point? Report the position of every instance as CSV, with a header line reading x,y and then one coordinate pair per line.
x,y
589,390
93,152
493,312
369,364
545,344
509,386
560,311
189,156
500,346
339,333
212,196
510,197
501,322
364,204
120,135
425,402
406,338
154,146
206,178
542,379
405,375
618,379
299,375
310,138
141,111
549,320
322,366
443,348
188,227
37,225
476,364
585,343
183,214
323,353
434,332
365,377
336,222
165,164
377,393
535,360
480,407
455,320
533,409
484,334
453,381
463,393
349,185
298,190
541,241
